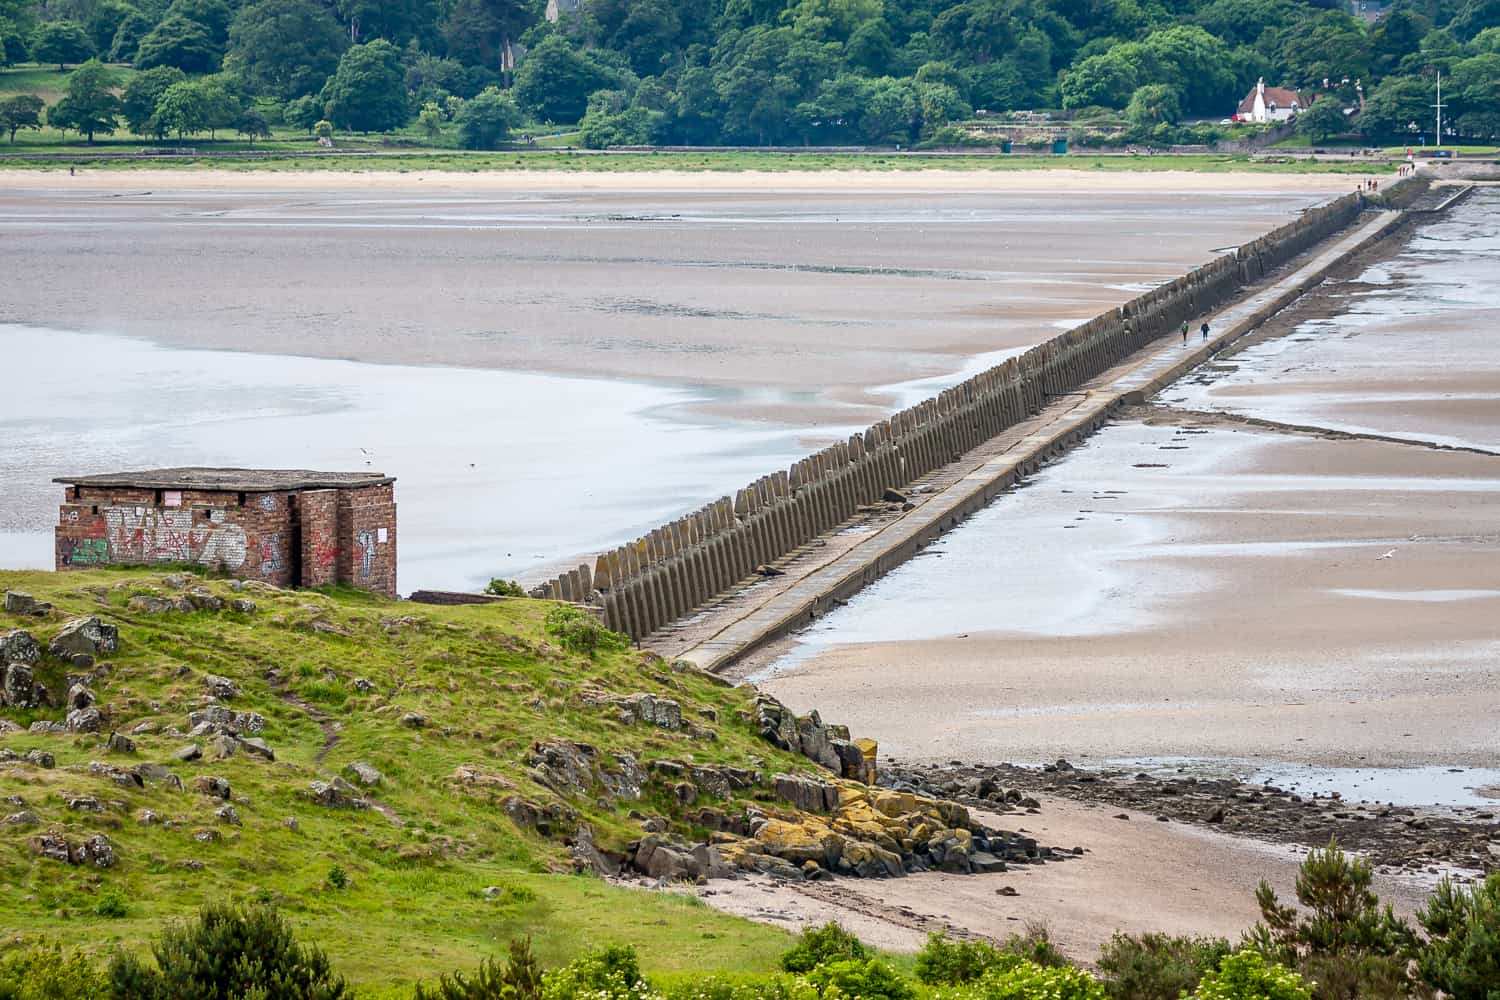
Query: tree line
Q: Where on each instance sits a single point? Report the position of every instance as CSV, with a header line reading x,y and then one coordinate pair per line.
x,y
750,72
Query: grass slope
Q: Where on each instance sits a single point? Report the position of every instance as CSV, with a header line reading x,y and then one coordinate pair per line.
x,y
489,683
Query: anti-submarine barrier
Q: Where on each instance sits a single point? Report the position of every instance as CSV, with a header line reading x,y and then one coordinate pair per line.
x,y
672,570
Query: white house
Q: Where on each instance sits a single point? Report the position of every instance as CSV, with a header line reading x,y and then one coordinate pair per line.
x,y
1269,104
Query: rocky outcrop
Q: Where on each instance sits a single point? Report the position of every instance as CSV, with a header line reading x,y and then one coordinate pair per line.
x,y
363,774
578,769
217,720
18,646
828,745
221,687
650,709
96,851
19,602
19,688
336,794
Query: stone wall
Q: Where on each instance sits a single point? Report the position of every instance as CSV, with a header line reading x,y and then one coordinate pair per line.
x,y
668,572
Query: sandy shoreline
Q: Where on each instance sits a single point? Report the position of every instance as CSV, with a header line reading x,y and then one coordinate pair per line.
x,y
1041,180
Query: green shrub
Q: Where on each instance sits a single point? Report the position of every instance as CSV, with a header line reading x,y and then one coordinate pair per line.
x,y
577,631
504,588
520,978
112,904
860,979
609,972
944,962
1157,966
337,878
46,972
1035,946
226,953
1029,981
1462,955
820,945
1348,945
1246,975
722,987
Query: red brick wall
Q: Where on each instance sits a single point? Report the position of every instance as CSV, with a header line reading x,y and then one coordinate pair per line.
x,y
318,511
346,535
367,538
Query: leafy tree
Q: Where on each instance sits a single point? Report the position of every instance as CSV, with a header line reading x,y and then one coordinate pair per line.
x,y
397,21
17,21
1348,944
555,80
891,113
1398,35
221,101
61,42
183,108
21,111
483,32
214,15
1323,120
1396,104
142,94
1154,104
487,120
821,945
304,113
178,41
611,120
1462,953
367,93
284,48
90,106
1195,64
430,121
128,37
1330,47
252,125
105,20
1474,17
1105,80
225,953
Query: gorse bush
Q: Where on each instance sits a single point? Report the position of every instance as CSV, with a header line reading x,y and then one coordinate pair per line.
x,y
945,962
610,972
1462,956
821,945
1157,966
1246,975
860,979
1029,981
520,978
577,631
228,953
1347,944
46,972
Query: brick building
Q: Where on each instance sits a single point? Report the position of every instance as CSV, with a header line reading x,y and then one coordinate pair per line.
x,y
288,528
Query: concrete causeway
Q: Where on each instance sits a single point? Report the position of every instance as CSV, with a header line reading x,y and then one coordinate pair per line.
x,y
816,577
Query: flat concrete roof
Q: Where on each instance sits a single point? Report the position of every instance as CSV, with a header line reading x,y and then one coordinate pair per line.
x,y
231,480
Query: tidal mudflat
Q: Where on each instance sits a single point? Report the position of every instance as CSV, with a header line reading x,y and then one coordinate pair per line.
x,y
1187,585
549,364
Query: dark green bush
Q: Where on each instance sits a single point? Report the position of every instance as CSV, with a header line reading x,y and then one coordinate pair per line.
x,y
112,904
504,588
945,962
1462,954
46,972
520,978
860,979
228,953
1157,966
820,945
577,631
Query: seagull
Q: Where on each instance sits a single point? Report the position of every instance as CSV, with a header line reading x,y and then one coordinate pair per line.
x,y
368,455
1387,555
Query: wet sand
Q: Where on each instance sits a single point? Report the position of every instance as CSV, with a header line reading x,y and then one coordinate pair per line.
x,y
1136,876
822,287
1187,586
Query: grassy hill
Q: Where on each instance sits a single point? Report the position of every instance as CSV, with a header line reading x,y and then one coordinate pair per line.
x,y
436,870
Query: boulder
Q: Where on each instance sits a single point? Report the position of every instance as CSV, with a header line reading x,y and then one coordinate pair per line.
x,y
83,720
146,604
816,743
204,600
221,687
79,696
18,646
23,818
119,775
414,720
799,842
121,744
363,774
336,794
188,753
648,708
52,845
546,819
777,723
867,860
363,686
243,605
228,814
18,602
212,786
18,688
587,856
85,635
624,780
85,803
566,768
41,758
7,727
984,862
96,851
222,721
257,747
662,859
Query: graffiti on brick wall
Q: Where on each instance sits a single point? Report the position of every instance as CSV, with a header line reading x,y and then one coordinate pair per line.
x,y
270,555
85,551
324,557
364,551
268,502
146,534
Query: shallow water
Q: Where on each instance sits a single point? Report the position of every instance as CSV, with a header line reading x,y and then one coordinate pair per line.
x,y
499,473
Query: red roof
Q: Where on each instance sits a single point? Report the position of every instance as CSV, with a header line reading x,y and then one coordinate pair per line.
x,y
1278,96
